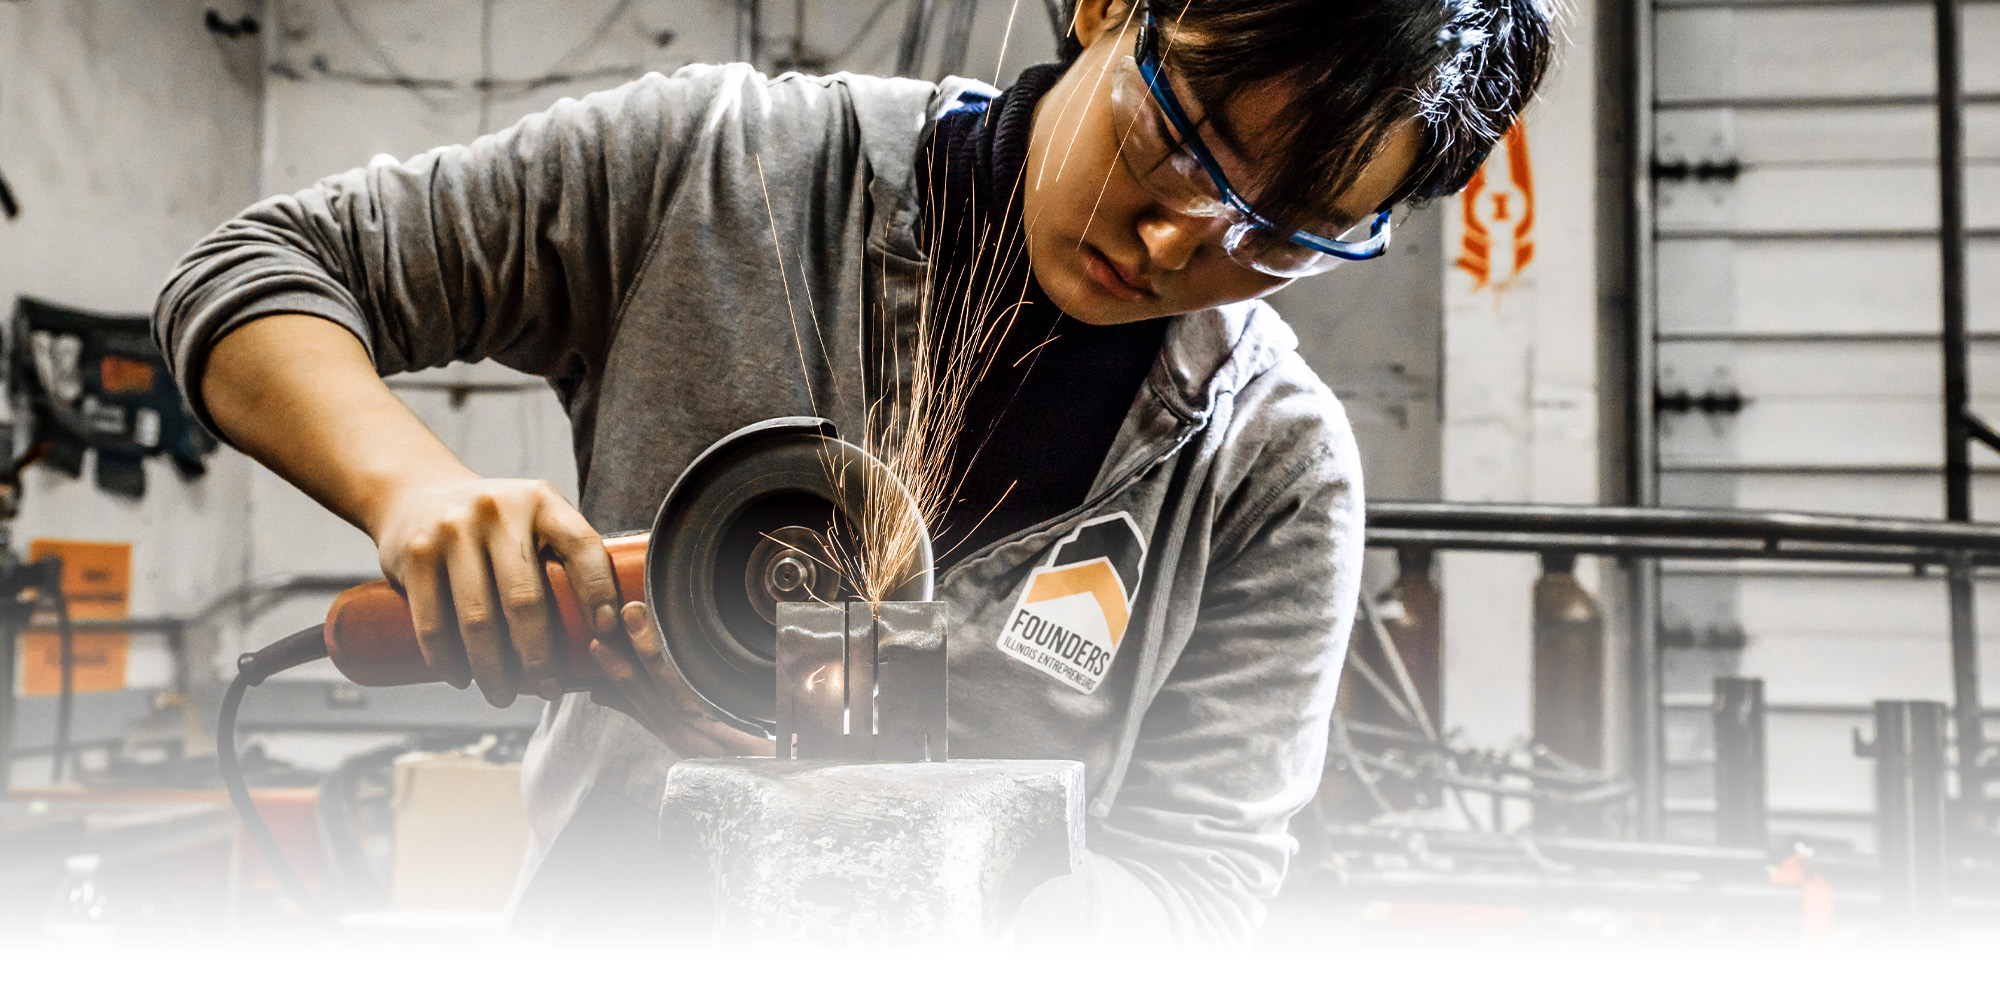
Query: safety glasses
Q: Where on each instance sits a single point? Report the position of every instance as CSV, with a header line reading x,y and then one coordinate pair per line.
x,y
1167,157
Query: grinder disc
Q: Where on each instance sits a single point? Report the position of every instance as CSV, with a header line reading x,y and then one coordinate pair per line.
x,y
748,525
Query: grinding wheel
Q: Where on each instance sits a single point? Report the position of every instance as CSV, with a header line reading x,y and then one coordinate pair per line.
x,y
746,526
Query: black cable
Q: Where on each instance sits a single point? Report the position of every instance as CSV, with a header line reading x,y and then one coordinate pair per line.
x,y
59,756
253,669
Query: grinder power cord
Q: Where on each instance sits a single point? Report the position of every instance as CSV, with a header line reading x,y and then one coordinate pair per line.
x,y
769,514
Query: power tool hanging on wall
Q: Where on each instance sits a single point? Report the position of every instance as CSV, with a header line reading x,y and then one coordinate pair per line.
x,y
759,519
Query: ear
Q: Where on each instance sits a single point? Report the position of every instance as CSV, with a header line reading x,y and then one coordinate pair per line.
x,y
1095,17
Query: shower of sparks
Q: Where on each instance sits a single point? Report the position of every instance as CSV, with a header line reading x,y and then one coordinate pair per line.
x,y
915,427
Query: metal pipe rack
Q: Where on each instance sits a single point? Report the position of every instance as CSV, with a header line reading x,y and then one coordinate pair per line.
x,y
1641,535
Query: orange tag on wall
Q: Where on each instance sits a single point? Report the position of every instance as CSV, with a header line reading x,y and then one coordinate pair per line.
x,y
97,579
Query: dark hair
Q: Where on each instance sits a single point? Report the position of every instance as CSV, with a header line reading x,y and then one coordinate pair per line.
x,y
1464,68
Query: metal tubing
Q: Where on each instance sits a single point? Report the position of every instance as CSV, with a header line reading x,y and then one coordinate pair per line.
x,y
1967,711
1957,410
1772,528
1615,545
1951,260
1742,813
1646,730
1645,468
1645,687
1910,812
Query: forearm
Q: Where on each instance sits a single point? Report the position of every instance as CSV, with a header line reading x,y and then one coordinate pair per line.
x,y
298,394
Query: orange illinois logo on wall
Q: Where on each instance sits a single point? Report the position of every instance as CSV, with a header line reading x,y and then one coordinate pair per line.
x,y
1499,215
1073,612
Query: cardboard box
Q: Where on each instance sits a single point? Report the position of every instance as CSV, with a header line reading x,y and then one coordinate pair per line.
x,y
461,832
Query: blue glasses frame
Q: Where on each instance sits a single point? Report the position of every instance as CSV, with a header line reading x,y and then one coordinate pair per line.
x,y
1148,58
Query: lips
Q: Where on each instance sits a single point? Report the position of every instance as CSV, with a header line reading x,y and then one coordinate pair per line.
x,y
1121,282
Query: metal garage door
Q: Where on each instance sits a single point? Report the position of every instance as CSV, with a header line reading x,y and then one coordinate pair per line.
x,y
1797,268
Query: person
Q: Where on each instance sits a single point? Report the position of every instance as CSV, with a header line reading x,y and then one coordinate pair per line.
x,y
655,250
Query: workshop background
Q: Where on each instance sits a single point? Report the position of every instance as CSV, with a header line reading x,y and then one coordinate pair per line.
x,y
1705,273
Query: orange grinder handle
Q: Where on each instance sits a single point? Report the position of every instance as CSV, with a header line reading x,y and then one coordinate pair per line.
x,y
373,641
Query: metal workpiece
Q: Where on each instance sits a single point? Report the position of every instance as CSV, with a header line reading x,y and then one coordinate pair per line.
x,y
1742,811
860,682
912,681
824,852
1909,753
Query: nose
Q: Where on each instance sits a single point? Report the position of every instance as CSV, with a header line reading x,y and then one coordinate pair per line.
x,y
1172,239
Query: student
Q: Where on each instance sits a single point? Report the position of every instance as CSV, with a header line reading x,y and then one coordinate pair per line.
x,y
1188,158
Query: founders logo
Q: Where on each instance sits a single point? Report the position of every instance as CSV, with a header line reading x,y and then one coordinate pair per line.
x,y
1073,611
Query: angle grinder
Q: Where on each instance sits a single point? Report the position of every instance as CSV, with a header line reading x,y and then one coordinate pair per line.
x,y
768,514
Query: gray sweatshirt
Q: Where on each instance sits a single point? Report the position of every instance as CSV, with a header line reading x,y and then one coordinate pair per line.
x,y
1181,633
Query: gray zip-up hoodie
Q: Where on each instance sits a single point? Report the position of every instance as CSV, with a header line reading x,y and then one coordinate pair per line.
x,y
685,255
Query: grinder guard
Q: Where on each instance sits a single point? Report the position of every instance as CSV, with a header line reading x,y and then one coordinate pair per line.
x,y
717,536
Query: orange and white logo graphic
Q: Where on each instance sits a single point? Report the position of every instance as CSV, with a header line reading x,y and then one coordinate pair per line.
x,y
1499,215
1072,614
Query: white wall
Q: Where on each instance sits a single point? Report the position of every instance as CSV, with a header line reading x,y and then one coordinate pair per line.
x,y
127,131
1520,395
1371,330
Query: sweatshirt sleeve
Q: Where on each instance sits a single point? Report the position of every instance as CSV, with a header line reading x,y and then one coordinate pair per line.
x,y
1233,745
518,247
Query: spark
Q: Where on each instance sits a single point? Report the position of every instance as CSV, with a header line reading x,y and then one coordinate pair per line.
x,y
915,425
790,312
1005,37
1103,71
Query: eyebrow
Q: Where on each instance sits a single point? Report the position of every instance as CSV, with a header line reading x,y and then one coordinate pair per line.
x,y
1231,141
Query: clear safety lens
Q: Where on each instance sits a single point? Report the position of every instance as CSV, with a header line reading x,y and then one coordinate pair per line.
x,y
1269,253
1154,154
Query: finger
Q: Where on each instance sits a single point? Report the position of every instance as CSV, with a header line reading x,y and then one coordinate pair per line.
x,y
672,687
639,627
591,575
705,731
479,622
642,699
523,590
425,585
628,684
